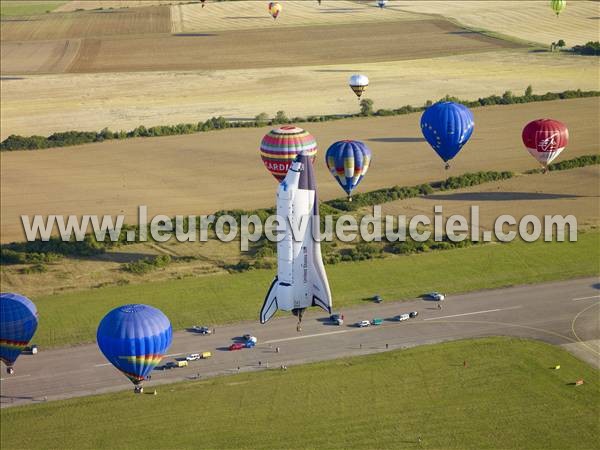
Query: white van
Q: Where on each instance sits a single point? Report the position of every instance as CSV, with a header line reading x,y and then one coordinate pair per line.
x,y
402,317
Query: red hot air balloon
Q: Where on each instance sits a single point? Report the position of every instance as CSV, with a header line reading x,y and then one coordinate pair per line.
x,y
545,139
280,147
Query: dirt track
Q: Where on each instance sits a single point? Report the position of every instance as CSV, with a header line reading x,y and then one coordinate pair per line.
x,y
206,172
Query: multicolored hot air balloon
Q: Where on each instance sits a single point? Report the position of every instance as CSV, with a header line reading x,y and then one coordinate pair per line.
x,y
18,322
274,9
447,126
279,147
558,6
348,162
134,339
381,3
545,139
358,83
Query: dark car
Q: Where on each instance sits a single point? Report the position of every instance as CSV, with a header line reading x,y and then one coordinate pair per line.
x,y
413,314
236,346
170,365
336,317
377,299
201,330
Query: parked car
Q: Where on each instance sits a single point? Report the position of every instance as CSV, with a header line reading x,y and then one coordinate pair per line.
x,y
249,338
363,323
170,365
376,321
236,346
31,349
377,299
413,314
438,296
193,357
201,330
337,318
402,317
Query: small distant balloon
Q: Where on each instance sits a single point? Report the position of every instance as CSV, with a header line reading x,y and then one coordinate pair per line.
x,y
134,339
348,161
558,6
358,83
447,126
279,148
274,9
18,323
545,139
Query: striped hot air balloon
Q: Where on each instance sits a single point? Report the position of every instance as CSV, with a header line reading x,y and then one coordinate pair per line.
x,y
358,83
134,339
545,139
18,322
348,162
280,146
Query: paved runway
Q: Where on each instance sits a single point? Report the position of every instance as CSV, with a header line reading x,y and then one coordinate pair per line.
x,y
564,313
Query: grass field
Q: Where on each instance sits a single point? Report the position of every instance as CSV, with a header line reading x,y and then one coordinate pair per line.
x,y
184,174
73,317
28,7
381,401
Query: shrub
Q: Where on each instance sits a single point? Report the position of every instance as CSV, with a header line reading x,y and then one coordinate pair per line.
x,y
147,265
366,107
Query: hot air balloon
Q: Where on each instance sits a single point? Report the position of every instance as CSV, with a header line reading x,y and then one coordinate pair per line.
x,y
447,126
274,9
545,139
348,162
358,83
558,6
18,322
279,147
381,3
134,339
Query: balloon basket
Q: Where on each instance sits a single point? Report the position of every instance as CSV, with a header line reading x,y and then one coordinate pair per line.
x,y
447,166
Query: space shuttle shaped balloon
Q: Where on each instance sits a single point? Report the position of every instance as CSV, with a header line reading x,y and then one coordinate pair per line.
x,y
301,281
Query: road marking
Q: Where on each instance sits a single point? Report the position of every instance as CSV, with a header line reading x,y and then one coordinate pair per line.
x,y
173,354
295,338
575,333
476,312
585,298
102,365
16,376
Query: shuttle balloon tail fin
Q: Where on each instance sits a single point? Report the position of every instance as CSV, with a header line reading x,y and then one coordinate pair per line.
x,y
270,305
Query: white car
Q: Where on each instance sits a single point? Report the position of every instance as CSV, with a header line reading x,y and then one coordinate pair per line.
x,y
402,317
437,296
193,357
363,323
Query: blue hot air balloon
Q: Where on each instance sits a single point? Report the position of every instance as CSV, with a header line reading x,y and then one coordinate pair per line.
x,y
447,126
18,322
134,339
348,162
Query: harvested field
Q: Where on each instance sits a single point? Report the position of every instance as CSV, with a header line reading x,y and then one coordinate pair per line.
x,y
75,5
296,46
527,20
206,172
47,104
28,7
253,14
39,56
575,191
89,24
